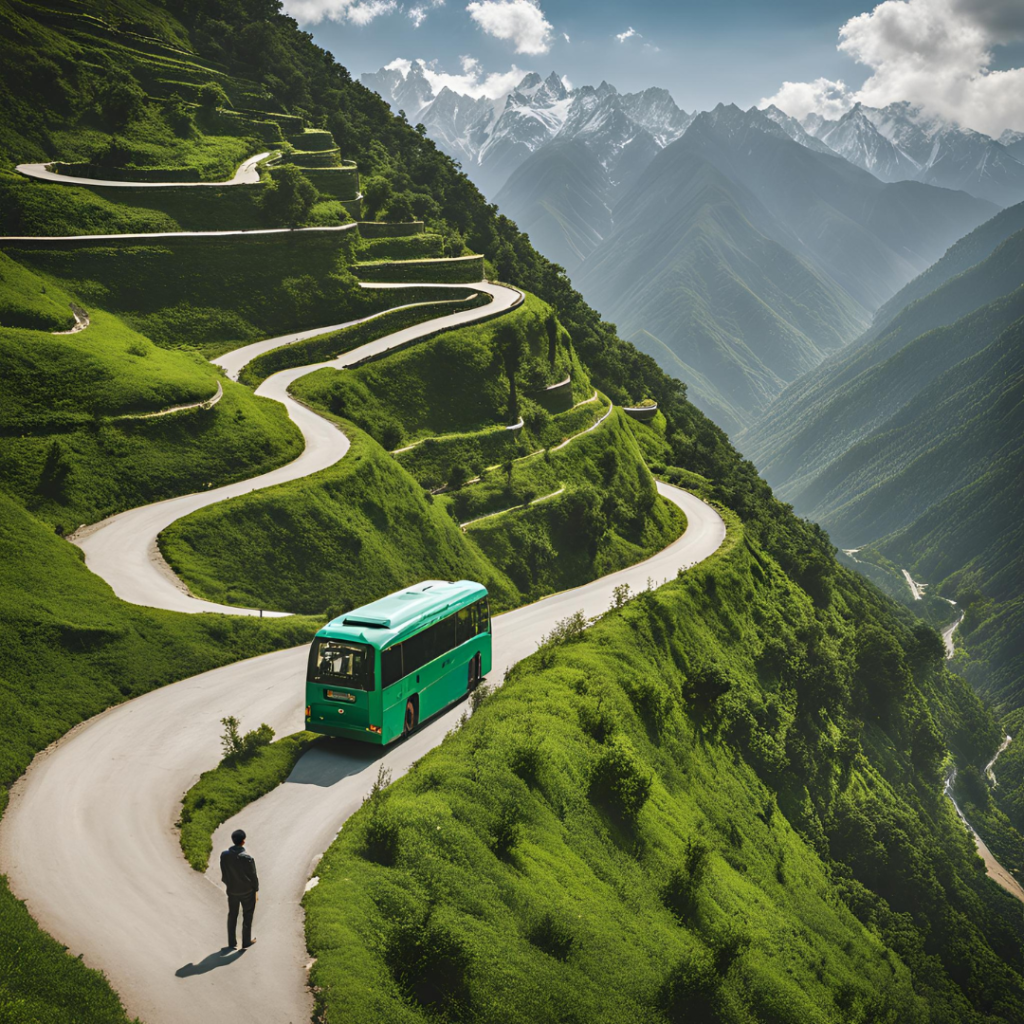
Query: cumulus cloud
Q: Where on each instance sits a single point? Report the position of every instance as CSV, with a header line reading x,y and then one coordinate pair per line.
x,y
472,82
822,96
518,21
358,12
936,54
417,15
628,34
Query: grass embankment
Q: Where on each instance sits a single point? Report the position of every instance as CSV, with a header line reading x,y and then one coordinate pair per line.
x,y
235,783
330,346
26,300
326,543
680,815
213,294
458,270
413,247
69,650
72,452
457,383
32,207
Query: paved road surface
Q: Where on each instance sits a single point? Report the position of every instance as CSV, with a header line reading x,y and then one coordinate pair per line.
x,y
247,174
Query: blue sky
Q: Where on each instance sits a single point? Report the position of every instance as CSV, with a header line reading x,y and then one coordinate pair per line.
x,y
959,58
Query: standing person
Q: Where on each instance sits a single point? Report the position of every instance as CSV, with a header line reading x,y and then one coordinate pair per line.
x,y
238,873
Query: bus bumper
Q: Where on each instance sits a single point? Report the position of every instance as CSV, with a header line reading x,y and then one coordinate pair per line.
x,y
363,735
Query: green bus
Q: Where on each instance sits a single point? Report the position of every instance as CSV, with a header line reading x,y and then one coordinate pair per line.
x,y
376,672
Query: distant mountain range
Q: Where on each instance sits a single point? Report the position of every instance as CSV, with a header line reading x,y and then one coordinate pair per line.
x,y
897,143
491,138
739,248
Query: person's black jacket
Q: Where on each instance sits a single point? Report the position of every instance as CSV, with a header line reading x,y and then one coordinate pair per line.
x,y
238,872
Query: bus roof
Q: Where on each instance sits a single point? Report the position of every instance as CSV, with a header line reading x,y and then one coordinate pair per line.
x,y
401,614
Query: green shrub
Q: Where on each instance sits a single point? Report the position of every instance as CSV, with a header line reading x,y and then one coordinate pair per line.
x,y
620,781
288,198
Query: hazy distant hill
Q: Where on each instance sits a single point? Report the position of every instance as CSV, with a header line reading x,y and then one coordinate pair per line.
x,y
751,257
819,417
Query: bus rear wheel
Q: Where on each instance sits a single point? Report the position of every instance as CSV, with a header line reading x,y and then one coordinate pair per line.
x,y
410,717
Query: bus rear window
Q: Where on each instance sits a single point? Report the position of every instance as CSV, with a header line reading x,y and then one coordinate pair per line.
x,y
341,663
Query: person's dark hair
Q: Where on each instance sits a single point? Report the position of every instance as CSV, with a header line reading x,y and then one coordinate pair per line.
x,y
238,837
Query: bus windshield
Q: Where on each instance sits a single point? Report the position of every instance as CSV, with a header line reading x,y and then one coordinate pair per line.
x,y
342,663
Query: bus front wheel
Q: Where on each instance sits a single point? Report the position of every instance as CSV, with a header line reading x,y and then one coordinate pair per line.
x,y
410,717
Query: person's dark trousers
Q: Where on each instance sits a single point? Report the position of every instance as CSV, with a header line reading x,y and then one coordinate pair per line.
x,y
248,905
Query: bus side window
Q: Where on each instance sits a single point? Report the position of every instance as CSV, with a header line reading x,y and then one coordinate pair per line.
x,y
465,624
391,665
483,616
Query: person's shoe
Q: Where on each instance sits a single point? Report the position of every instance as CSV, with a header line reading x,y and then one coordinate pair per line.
x,y
246,945
231,945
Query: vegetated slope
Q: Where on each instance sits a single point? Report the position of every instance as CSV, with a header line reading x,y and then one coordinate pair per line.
x,y
751,258
959,257
81,434
818,417
910,446
366,523
652,821
559,197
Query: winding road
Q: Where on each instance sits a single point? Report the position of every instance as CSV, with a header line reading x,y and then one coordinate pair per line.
x,y
247,174
89,839
123,548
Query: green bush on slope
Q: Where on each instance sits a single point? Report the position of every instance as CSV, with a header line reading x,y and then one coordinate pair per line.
x,y
235,783
655,820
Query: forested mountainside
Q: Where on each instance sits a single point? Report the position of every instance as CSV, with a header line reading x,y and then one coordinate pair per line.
x,y
725,798
746,258
908,444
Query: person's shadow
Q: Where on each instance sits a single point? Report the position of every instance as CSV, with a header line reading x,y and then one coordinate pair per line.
x,y
224,956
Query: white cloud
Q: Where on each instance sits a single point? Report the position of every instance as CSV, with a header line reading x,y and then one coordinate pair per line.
x,y
936,54
399,64
472,82
363,13
628,34
519,21
359,12
565,36
798,99
417,15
